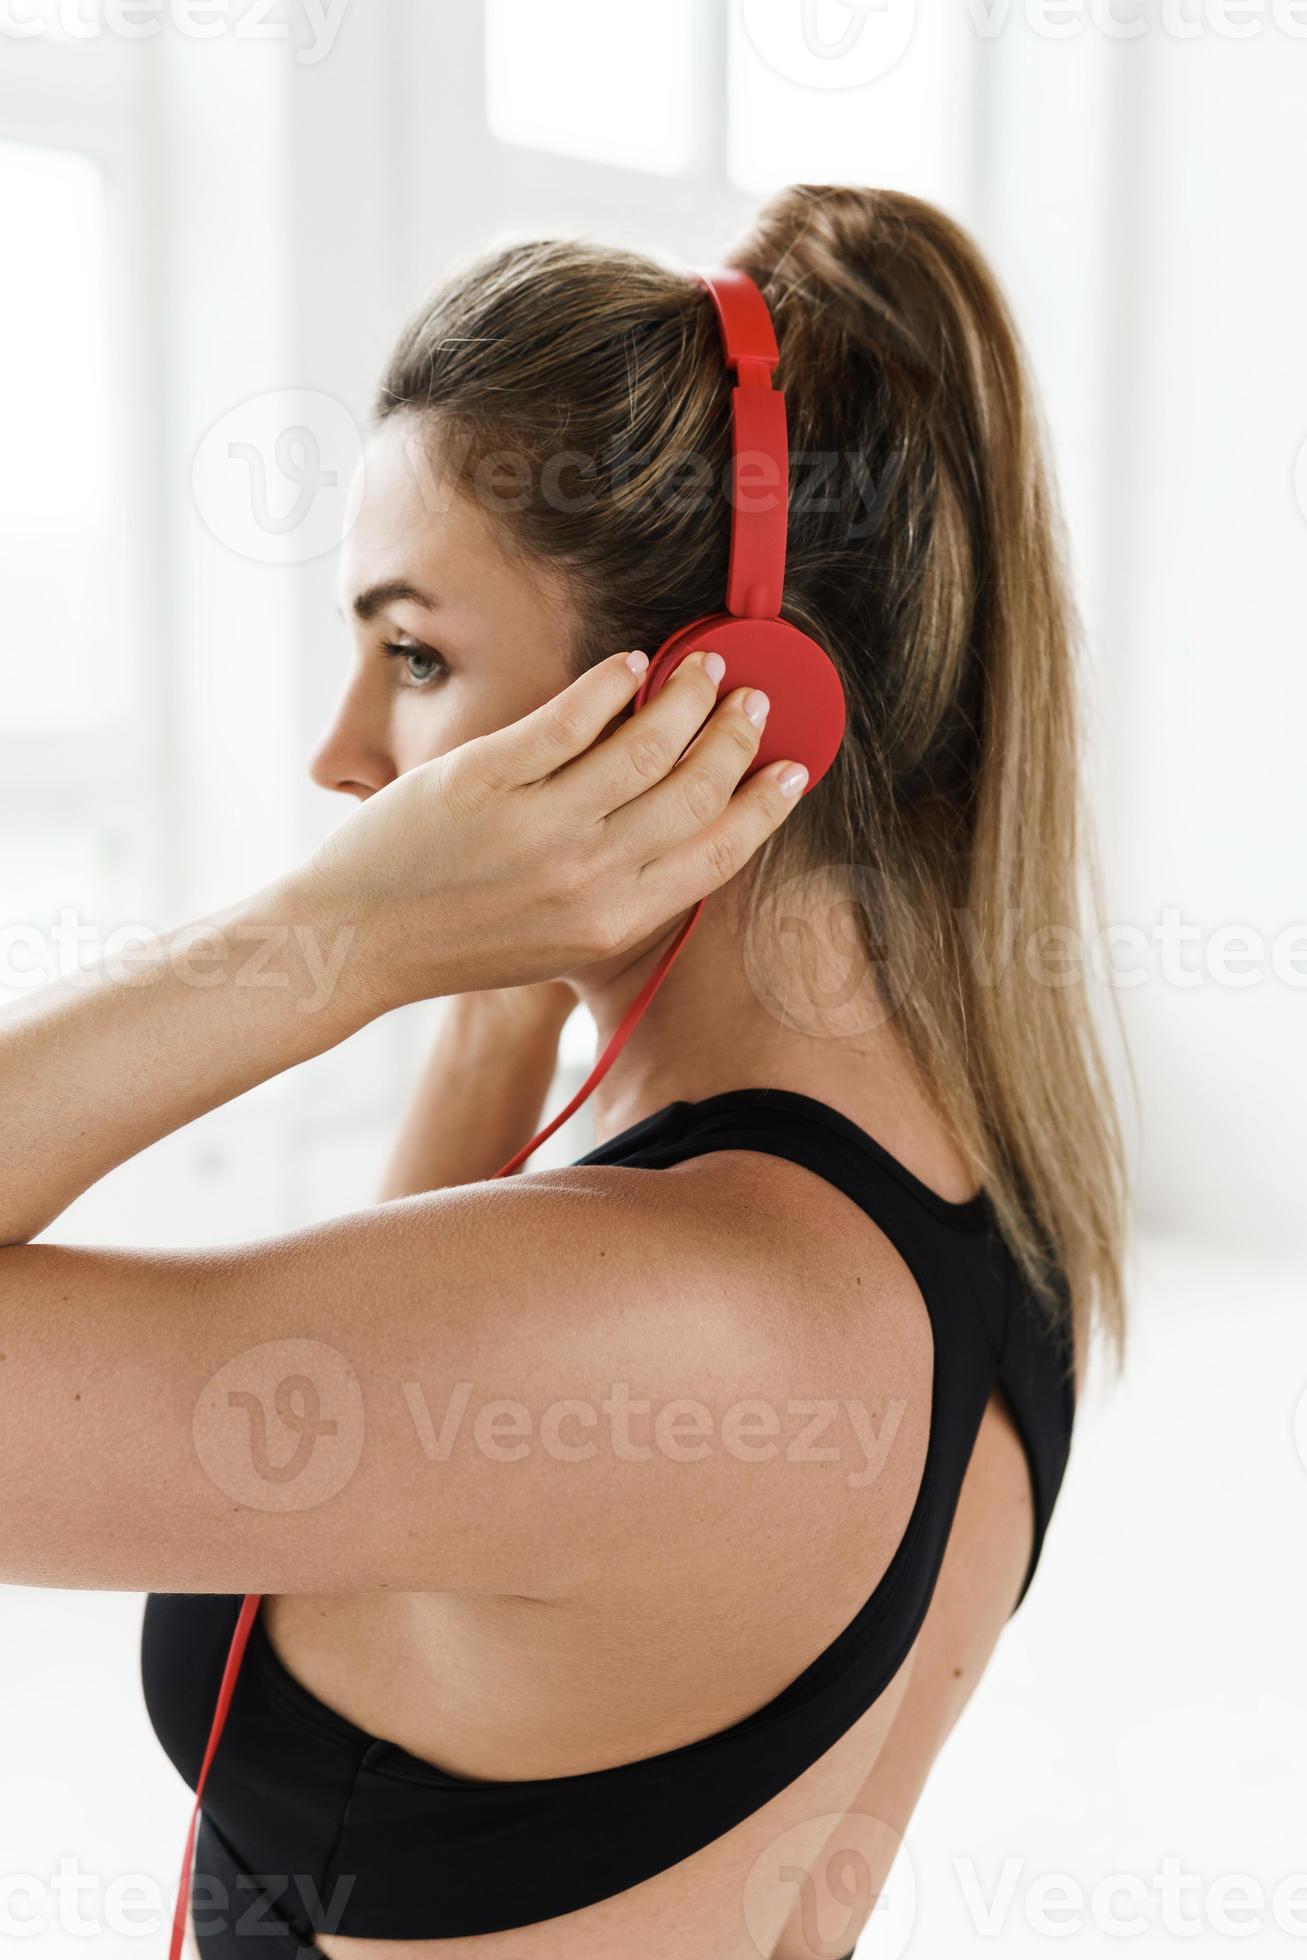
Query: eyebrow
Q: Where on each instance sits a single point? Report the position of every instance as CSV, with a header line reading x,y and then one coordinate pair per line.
x,y
395,591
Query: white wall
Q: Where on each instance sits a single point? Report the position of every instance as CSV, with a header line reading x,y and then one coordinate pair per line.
x,y
1138,202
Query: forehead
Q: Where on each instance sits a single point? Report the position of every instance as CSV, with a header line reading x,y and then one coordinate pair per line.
x,y
416,523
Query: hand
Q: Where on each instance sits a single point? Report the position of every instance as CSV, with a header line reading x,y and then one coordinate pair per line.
x,y
551,844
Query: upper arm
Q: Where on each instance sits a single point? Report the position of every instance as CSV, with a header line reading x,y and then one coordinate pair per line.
x,y
419,1396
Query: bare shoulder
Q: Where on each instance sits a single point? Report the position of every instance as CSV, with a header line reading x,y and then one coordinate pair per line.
x,y
752,1244
747,1294
488,1388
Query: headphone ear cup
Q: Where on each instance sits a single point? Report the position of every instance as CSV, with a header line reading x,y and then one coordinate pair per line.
x,y
807,718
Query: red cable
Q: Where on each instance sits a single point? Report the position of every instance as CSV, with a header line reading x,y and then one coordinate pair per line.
x,y
250,1604
625,1029
235,1655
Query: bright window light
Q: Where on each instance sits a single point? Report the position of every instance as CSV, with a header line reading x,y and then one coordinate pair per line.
x,y
607,80
829,93
57,662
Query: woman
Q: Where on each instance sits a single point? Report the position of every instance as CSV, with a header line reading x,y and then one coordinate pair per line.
x,y
648,1522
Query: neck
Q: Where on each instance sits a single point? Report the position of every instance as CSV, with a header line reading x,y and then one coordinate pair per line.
x,y
781,1002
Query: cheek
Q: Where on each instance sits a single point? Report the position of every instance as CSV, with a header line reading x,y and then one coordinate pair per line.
x,y
525,684
480,697
496,701
424,726
429,725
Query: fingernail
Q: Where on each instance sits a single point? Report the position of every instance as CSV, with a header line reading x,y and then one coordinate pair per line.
x,y
756,706
637,662
793,779
714,666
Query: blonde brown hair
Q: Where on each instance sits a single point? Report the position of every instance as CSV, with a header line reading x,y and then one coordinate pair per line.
x,y
924,554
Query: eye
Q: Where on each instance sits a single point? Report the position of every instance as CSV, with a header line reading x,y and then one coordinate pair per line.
x,y
421,664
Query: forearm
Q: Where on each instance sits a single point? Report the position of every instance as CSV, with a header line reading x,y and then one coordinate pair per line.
x,y
99,1065
480,1097
518,856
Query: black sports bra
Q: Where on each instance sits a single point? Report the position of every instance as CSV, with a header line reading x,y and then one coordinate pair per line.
x,y
311,1824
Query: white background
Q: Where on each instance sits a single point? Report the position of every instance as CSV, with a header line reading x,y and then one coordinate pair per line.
x,y
188,223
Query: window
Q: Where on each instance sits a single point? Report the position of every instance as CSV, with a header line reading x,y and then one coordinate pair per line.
x,y
818,92
873,96
61,661
76,797
606,80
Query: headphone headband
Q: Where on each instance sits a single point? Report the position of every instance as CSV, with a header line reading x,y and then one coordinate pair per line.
x,y
746,322
760,446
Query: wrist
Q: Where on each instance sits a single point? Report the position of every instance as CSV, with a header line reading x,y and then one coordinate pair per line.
x,y
510,1019
322,960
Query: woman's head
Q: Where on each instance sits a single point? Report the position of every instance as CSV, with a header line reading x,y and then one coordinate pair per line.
x,y
456,634
570,404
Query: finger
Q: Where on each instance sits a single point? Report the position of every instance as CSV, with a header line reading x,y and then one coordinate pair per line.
x,y
701,785
564,727
689,872
644,749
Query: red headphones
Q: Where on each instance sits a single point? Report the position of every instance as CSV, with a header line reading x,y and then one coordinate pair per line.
x,y
806,724
760,649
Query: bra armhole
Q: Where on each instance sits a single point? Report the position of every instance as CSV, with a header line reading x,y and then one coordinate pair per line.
x,y
1044,1480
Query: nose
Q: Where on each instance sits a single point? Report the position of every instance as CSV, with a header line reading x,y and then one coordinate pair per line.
x,y
353,755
